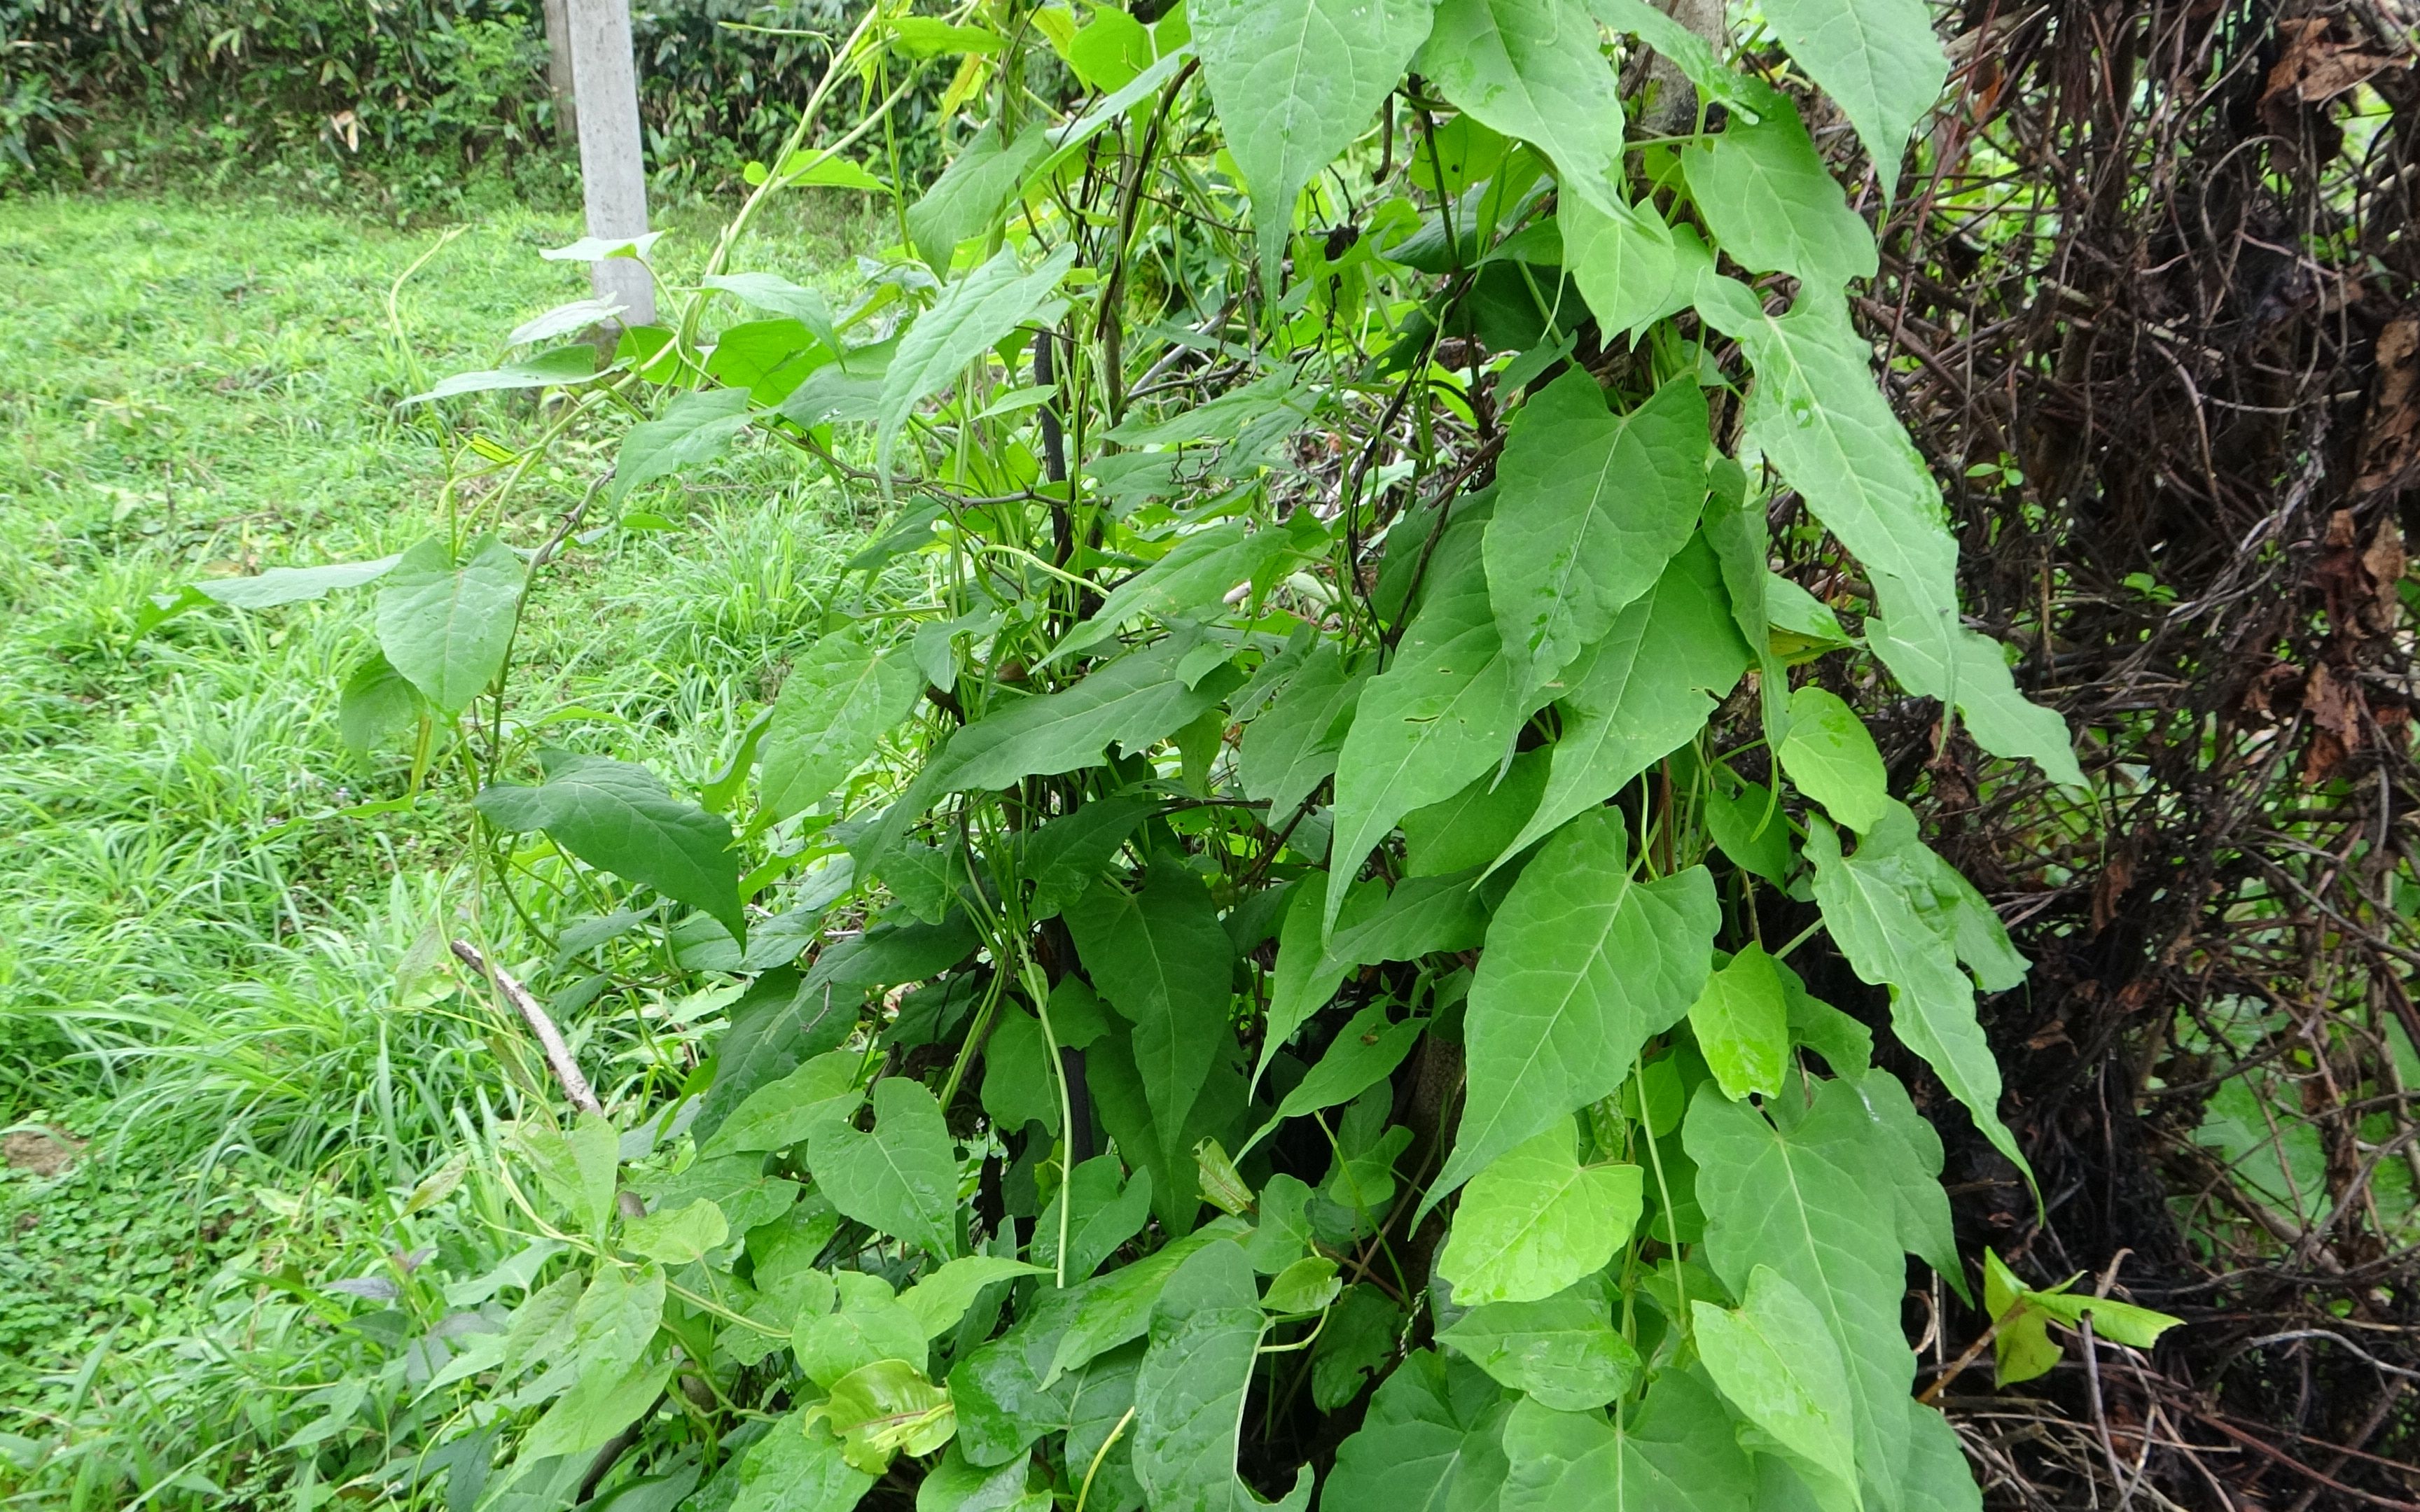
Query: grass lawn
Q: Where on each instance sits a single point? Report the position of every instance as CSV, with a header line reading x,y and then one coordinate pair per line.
x,y
208,970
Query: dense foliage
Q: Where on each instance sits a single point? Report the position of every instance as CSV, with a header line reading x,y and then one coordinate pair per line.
x,y
1255,950
105,90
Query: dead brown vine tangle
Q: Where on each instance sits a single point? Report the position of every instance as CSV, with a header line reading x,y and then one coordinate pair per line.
x,y
2154,309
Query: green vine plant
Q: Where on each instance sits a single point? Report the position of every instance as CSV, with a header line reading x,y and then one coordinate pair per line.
x,y
1253,957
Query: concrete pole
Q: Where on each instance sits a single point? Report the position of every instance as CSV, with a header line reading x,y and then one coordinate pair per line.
x,y
612,164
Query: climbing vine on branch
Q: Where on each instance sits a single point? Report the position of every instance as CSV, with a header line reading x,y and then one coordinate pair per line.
x,y
1257,946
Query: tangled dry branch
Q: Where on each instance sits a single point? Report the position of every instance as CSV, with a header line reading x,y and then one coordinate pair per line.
x,y
2157,304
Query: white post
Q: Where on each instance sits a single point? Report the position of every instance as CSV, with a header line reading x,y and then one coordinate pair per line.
x,y
613,164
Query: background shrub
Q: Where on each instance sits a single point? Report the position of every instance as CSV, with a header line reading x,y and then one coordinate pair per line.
x,y
399,97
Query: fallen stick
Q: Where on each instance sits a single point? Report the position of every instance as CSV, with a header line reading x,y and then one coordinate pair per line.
x,y
550,1039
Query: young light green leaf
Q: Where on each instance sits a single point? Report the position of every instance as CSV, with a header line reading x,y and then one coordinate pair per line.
x,y
1295,81
1776,1362
1430,1442
868,1325
447,625
678,1236
602,1401
1307,1285
1590,507
1878,59
974,314
884,1409
1582,964
1110,50
293,585
1442,713
577,1167
840,699
1867,910
2022,1347
617,815
547,369
1561,1350
901,1180
694,428
1743,1025
1675,1451
1771,205
1832,759
1800,1202
1532,69
1536,1220
1640,693
1632,268
940,1300
980,177
1161,958
1205,1335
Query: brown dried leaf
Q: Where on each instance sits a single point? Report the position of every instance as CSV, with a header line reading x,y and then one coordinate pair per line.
x,y
2388,436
